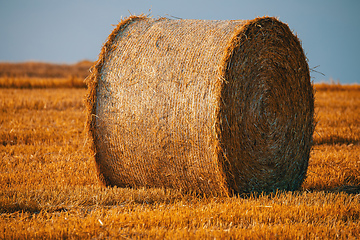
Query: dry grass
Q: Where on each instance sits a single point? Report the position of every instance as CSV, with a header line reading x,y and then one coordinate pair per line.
x,y
44,70
26,82
43,75
337,138
49,189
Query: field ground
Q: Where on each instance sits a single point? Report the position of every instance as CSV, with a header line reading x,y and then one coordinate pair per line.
x,y
49,189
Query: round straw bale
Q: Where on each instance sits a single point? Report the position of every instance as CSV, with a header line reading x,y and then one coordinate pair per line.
x,y
217,107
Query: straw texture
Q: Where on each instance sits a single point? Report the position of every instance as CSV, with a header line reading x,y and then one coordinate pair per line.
x,y
215,107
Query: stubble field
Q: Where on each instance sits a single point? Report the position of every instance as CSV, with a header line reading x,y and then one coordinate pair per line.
x,y
49,189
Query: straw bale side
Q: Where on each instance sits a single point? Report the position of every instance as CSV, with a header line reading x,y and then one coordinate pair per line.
x,y
217,107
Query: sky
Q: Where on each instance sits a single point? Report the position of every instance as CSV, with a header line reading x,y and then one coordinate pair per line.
x,y
69,31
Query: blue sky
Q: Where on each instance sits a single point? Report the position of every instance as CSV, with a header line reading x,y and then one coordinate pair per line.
x,y
69,31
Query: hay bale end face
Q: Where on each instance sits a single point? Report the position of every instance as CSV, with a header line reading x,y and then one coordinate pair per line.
x,y
217,107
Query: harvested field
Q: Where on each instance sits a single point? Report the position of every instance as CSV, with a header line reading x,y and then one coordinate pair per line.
x,y
43,75
35,70
49,188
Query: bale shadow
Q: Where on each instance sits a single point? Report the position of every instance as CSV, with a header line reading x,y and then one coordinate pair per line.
x,y
349,189
335,139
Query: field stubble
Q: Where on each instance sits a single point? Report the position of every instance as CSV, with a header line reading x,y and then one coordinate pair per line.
x,y
49,189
